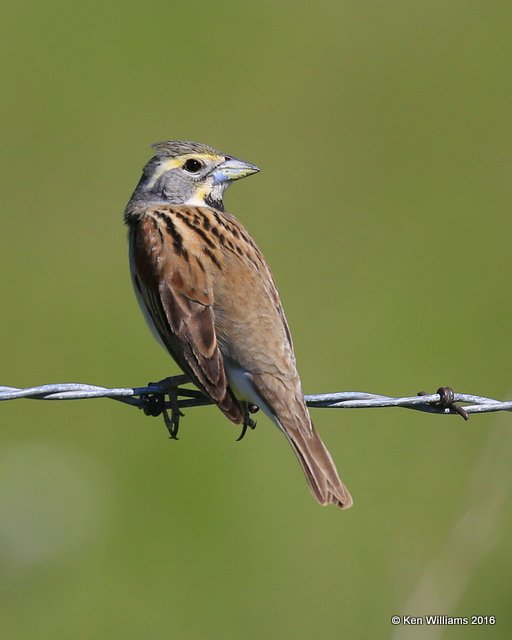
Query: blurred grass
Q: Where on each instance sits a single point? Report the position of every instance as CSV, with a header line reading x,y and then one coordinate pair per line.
x,y
383,132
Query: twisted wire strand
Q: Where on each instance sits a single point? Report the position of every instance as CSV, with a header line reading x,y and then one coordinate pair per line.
x,y
442,401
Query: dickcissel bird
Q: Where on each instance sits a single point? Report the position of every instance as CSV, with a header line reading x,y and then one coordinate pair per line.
x,y
210,299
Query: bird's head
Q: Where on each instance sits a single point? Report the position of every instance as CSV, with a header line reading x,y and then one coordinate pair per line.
x,y
190,173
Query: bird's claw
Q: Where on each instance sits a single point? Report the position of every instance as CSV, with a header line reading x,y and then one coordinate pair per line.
x,y
248,421
172,422
153,404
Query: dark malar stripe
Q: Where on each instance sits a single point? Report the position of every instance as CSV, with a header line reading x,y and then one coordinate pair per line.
x,y
214,204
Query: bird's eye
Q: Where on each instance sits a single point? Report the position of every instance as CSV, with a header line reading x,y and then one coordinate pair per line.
x,y
192,165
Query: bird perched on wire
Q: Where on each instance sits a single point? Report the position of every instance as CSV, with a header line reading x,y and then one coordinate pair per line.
x,y
210,299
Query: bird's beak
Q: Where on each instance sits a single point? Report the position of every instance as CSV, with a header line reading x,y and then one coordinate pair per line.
x,y
233,169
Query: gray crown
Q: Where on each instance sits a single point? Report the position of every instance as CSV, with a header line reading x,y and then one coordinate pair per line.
x,y
174,148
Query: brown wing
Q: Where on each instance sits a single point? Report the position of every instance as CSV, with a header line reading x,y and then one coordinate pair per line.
x,y
178,297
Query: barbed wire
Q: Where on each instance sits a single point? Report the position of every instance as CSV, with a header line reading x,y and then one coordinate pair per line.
x,y
151,398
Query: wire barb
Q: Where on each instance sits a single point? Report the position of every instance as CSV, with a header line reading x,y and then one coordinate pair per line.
x,y
447,399
444,401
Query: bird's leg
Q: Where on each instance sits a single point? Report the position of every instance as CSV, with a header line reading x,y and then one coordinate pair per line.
x,y
172,382
172,422
248,408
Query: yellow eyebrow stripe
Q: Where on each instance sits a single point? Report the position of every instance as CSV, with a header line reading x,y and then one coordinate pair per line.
x,y
173,163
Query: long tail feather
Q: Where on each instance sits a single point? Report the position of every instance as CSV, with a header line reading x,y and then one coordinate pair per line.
x,y
318,467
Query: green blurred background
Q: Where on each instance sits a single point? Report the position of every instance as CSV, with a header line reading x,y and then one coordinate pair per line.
x,y
383,132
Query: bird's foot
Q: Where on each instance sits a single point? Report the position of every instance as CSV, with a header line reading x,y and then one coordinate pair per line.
x,y
248,421
154,403
172,422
